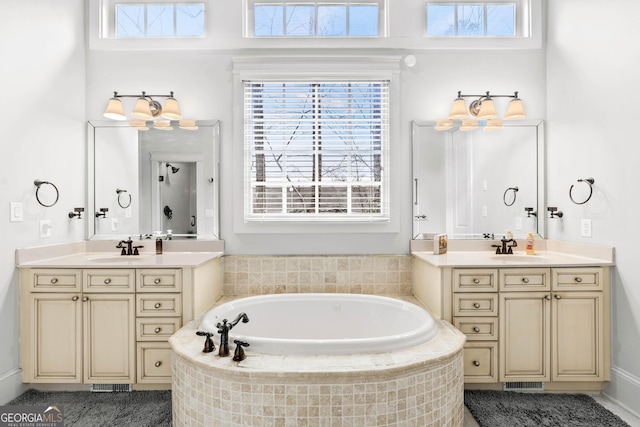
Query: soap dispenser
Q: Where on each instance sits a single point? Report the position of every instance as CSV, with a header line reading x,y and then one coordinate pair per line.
x,y
158,243
530,250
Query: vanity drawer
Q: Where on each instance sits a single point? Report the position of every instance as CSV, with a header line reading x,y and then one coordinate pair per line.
x,y
55,280
109,280
475,280
480,362
159,280
478,328
154,362
525,279
156,328
150,305
578,279
475,304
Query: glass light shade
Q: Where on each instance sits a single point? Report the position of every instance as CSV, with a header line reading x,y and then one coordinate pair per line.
x,y
443,125
138,124
163,125
187,124
487,110
515,110
171,110
458,110
469,125
493,125
114,110
142,110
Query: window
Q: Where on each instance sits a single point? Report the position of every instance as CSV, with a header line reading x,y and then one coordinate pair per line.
x,y
303,18
316,150
471,19
159,20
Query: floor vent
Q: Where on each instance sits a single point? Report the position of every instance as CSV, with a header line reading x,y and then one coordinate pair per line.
x,y
523,386
110,388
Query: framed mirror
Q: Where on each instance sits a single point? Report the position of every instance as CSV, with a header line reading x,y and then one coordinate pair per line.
x,y
478,184
154,180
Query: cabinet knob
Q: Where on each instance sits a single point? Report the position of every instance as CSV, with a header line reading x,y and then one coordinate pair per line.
x,y
525,280
157,364
578,279
107,281
157,281
157,305
557,296
476,329
157,330
547,297
54,280
85,298
476,363
476,305
75,298
476,281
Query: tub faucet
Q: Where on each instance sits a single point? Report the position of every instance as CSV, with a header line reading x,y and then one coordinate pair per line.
x,y
239,355
223,330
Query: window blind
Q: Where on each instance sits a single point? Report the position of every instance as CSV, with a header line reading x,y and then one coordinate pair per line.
x,y
316,151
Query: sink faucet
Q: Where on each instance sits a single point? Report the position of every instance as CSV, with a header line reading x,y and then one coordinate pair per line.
x,y
223,330
503,249
129,249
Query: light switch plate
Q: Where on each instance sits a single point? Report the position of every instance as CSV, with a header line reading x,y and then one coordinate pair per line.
x,y
16,212
585,228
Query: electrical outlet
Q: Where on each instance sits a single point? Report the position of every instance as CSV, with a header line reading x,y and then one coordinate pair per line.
x,y
208,213
585,228
114,224
518,223
484,185
127,213
484,210
45,228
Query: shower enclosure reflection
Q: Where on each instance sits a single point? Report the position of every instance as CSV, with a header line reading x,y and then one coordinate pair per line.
x,y
478,184
153,180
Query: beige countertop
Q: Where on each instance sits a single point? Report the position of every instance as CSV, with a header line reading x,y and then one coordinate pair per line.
x,y
552,254
103,254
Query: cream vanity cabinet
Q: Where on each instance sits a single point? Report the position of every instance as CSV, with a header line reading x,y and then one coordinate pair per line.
x,y
525,324
108,326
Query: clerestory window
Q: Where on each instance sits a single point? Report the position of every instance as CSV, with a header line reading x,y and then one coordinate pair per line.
x,y
161,19
316,150
304,18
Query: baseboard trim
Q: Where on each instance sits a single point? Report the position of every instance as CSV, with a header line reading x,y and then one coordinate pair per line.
x,y
624,390
11,385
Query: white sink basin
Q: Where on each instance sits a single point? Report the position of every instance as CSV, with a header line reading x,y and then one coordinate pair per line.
x,y
519,258
116,259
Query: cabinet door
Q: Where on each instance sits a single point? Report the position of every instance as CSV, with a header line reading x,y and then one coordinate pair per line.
x,y
54,352
578,336
109,338
525,336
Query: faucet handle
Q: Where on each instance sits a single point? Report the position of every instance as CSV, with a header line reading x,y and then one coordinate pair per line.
x,y
208,342
498,249
239,354
135,249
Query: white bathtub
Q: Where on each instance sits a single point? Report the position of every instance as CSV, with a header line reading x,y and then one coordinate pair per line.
x,y
327,324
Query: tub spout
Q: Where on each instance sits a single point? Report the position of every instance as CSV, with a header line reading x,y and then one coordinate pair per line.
x,y
223,330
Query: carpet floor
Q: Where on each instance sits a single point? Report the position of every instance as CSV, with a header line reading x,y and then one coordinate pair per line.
x,y
86,409
511,409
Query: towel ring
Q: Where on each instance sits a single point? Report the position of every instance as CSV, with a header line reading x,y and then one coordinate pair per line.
x,y
589,181
119,191
38,183
504,196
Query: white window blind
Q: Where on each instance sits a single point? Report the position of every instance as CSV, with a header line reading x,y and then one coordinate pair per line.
x,y
316,151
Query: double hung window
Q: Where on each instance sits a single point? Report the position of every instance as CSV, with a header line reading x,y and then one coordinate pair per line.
x,y
316,150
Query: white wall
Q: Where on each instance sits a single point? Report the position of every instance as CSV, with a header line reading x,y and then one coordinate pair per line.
x,y
592,72
42,137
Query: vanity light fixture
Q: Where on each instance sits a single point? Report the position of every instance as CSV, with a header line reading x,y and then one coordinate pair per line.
x,y
483,111
146,108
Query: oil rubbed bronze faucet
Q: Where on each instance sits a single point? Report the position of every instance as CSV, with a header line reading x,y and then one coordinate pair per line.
x,y
223,330
503,249
129,249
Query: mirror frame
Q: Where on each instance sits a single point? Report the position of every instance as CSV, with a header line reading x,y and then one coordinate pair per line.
x,y
91,208
541,219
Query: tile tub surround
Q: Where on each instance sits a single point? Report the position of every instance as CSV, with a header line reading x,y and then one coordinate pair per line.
x,y
366,274
420,386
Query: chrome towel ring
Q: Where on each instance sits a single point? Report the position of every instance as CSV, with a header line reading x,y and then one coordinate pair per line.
x,y
504,196
38,183
589,181
123,205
